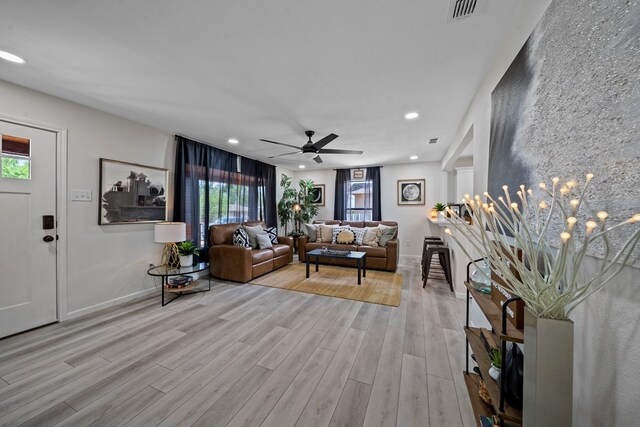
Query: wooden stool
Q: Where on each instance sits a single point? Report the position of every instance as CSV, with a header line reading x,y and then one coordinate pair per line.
x,y
445,263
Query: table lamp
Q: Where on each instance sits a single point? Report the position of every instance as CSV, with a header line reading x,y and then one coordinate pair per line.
x,y
169,233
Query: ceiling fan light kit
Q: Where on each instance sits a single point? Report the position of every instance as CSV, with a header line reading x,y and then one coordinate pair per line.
x,y
312,150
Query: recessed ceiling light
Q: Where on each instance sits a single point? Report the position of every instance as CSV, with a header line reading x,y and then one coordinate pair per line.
x,y
301,166
413,158
11,57
412,115
233,141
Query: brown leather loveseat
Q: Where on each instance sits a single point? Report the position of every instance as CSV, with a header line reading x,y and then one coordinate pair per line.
x,y
239,263
378,257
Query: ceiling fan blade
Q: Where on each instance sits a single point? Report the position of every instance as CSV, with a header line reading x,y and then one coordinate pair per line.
x,y
324,141
317,159
280,143
285,154
331,151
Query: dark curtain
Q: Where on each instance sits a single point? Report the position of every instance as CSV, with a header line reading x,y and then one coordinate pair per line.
x,y
343,176
373,175
209,189
201,171
266,176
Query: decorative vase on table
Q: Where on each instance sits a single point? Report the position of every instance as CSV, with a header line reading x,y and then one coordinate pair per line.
x,y
548,369
186,260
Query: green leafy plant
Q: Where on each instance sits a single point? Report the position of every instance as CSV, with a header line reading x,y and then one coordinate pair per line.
x,y
296,233
440,207
187,248
291,196
495,354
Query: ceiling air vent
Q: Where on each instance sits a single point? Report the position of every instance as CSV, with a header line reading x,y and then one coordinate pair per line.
x,y
459,9
433,140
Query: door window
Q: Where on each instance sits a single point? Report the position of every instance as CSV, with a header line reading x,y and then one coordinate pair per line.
x,y
16,157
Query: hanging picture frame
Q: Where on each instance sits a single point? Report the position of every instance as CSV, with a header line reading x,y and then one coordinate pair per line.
x,y
411,192
131,193
317,194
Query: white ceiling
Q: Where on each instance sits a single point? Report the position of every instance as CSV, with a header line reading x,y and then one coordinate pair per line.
x,y
254,69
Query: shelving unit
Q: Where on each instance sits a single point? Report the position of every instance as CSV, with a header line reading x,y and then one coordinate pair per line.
x,y
502,331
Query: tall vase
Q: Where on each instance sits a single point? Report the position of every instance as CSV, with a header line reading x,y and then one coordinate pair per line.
x,y
548,372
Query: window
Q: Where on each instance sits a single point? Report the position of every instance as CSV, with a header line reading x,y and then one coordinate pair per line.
x,y
359,201
16,157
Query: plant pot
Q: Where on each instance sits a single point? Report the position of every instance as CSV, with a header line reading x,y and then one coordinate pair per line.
x,y
186,260
434,213
494,372
548,371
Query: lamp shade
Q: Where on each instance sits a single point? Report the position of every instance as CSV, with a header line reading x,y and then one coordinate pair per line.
x,y
170,232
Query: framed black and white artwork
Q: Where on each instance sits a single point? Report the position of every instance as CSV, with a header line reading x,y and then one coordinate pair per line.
x,y
317,194
131,193
411,191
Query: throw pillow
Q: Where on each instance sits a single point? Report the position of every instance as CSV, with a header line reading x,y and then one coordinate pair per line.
x,y
358,234
252,230
273,234
386,233
326,233
371,236
336,230
345,237
311,230
264,242
241,238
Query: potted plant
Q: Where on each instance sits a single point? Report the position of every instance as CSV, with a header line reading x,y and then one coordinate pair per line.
x,y
296,204
186,251
495,354
538,247
437,208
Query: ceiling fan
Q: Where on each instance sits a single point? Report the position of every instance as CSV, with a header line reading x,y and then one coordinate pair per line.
x,y
312,150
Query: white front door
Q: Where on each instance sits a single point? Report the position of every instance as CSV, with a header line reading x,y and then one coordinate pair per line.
x,y
27,244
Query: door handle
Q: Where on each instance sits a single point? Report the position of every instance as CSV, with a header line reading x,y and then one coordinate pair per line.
x,y
48,239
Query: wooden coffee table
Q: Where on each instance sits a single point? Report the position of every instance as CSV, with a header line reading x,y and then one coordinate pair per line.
x,y
359,257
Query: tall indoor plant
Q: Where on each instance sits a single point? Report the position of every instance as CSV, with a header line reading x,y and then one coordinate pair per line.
x,y
544,268
296,204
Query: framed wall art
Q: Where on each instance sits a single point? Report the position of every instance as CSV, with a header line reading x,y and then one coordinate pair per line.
x,y
131,193
317,194
411,191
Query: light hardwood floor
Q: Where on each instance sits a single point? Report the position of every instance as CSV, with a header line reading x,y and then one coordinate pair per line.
x,y
244,355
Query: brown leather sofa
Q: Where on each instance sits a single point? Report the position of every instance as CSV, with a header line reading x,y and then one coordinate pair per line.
x,y
378,257
241,264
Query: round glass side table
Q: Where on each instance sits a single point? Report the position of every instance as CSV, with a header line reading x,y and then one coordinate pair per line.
x,y
190,288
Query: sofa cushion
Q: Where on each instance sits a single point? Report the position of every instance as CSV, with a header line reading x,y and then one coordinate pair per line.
x,y
241,238
326,233
345,237
311,230
373,251
261,255
222,234
358,234
273,234
252,230
336,231
280,250
316,245
371,237
338,247
264,241
386,233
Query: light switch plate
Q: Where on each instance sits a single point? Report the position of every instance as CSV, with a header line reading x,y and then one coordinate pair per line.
x,y
81,195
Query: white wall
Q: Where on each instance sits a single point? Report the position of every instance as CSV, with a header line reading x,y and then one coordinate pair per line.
x,y
412,220
606,342
105,263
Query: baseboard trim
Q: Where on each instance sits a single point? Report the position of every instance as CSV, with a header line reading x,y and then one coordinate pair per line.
x,y
101,306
